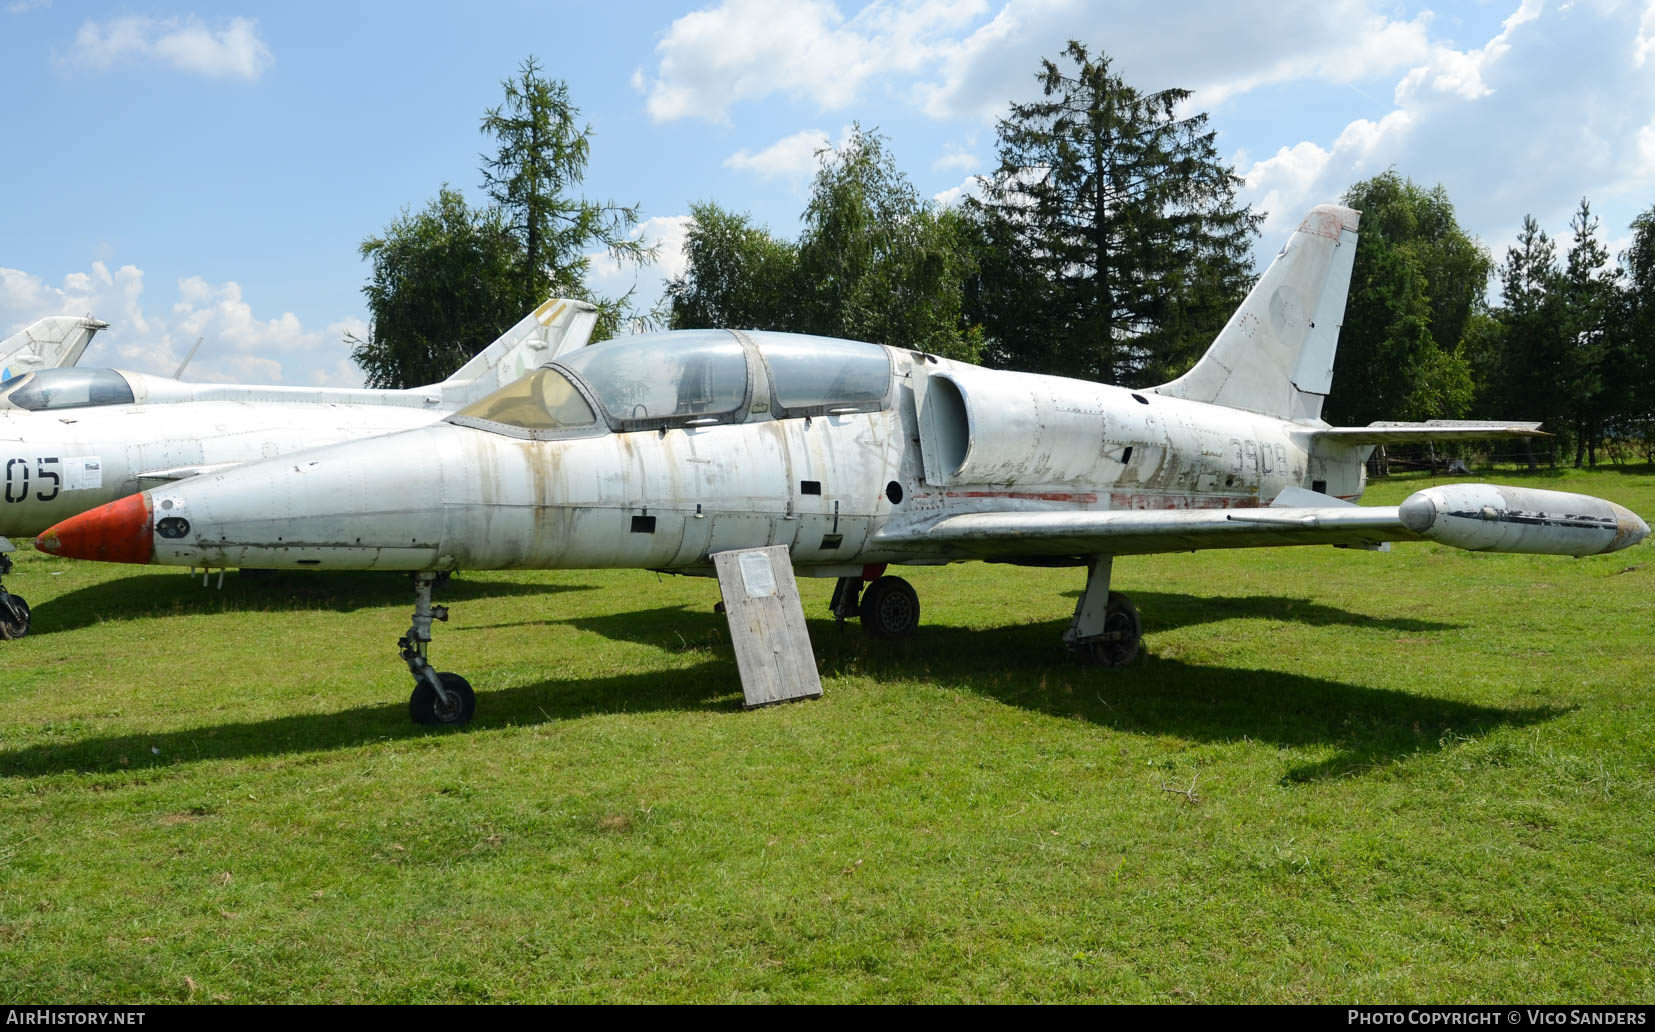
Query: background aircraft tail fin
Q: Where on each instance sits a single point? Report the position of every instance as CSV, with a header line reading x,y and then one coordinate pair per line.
x,y
58,340
1275,355
559,326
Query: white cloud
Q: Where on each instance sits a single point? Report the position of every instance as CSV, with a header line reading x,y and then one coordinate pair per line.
x,y
667,235
805,49
1218,50
233,51
239,346
792,159
25,6
1643,43
971,186
1502,140
955,157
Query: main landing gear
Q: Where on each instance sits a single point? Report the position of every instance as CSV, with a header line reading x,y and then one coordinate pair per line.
x,y
14,612
442,699
888,608
1106,630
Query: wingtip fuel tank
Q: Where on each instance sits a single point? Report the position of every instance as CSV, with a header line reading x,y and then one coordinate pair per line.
x,y
1486,518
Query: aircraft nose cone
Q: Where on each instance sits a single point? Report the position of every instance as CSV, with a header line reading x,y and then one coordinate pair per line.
x,y
1629,528
119,532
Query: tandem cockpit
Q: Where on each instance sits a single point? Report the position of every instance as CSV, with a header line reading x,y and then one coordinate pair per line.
x,y
50,389
687,378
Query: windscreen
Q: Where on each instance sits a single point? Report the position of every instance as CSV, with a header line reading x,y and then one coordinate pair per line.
x,y
542,400
52,389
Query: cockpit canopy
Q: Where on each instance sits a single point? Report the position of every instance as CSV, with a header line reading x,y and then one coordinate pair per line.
x,y
687,378
662,379
73,387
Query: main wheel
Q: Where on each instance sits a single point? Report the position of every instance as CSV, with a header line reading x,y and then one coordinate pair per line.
x,y
427,708
890,608
1123,632
14,622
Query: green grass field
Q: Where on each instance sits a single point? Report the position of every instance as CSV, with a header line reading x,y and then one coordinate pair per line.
x,y
1335,776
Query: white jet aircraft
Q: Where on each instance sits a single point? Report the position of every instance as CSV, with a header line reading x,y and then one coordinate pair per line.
x,y
660,450
74,439
57,340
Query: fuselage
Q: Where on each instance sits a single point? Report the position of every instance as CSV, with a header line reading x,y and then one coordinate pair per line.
x,y
76,449
779,466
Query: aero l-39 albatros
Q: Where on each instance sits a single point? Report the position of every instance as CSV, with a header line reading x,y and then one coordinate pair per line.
x,y
660,450
57,340
74,439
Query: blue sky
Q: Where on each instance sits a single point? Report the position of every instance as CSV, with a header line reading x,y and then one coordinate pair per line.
x,y
209,169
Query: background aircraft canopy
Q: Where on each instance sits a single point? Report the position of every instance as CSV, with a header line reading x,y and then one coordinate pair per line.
x,y
664,379
51,389
813,376
544,400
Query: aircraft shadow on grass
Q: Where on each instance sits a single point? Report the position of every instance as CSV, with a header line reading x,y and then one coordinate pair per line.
x,y
1163,611
146,596
1018,666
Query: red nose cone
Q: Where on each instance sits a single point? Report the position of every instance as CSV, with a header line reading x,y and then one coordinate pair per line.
x,y
120,532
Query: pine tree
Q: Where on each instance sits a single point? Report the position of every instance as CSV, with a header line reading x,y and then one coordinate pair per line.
x,y
1534,333
1128,217
1589,283
541,156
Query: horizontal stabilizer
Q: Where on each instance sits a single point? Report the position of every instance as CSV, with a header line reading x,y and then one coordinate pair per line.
x,y
1428,431
1304,498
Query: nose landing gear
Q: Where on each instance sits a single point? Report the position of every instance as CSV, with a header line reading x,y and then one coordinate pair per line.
x,y
14,612
441,699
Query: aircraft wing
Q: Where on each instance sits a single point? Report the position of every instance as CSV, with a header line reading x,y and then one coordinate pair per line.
x,y
1005,535
1428,431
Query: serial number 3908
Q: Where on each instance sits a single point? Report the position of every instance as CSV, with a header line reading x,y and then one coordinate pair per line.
x,y
17,480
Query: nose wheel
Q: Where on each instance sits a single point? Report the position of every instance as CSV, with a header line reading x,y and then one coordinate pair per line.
x,y
14,612
454,707
439,699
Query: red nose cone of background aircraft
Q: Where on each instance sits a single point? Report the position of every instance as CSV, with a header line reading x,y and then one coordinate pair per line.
x,y
120,532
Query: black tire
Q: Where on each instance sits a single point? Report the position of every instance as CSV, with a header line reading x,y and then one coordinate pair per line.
x,y
14,617
889,608
1123,633
426,708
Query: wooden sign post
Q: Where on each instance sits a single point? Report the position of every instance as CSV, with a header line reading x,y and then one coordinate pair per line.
x,y
767,625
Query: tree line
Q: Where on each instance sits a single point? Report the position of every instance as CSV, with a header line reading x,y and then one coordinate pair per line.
x,y
1107,244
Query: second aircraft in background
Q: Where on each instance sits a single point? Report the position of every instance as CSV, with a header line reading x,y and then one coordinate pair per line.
x,y
74,439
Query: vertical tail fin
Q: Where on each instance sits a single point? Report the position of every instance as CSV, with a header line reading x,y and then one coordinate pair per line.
x,y
559,326
1275,355
59,340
